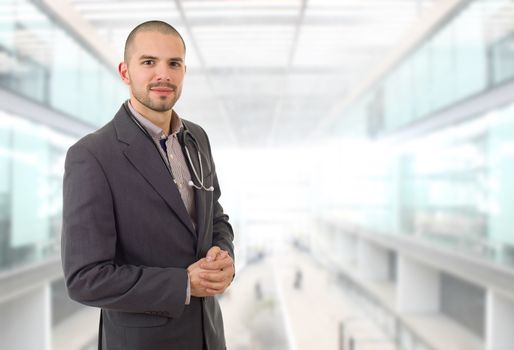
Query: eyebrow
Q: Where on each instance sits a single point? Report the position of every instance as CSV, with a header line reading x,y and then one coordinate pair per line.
x,y
148,57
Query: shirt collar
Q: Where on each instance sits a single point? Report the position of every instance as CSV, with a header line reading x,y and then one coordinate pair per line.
x,y
155,131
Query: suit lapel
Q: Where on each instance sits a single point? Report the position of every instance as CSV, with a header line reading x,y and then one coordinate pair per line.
x,y
201,196
200,218
145,158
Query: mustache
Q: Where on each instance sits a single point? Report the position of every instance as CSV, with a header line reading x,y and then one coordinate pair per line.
x,y
163,84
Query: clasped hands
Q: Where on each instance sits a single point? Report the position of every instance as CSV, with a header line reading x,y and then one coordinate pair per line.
x,y
211,275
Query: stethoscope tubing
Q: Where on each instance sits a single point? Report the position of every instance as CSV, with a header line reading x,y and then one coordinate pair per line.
x,y
199,178
183,142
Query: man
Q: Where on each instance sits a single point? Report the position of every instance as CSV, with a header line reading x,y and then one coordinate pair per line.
x,y
144,237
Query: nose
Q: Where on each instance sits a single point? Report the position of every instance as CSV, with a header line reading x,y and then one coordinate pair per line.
x,y
163,72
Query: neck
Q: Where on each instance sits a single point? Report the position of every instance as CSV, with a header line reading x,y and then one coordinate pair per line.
x,y
161,119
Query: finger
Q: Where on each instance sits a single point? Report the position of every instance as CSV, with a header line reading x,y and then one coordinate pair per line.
x,y
222,255
212,253
213,265
213,285
219,290
208,293
213,292
226,263
214,276
218,264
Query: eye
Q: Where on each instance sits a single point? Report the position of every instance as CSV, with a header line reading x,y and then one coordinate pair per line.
x,y
147,62
175,64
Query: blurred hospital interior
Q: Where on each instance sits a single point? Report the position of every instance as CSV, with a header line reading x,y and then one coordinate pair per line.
x,y
364,148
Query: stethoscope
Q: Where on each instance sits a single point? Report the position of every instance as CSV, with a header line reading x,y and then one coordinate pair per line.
x,y
184,137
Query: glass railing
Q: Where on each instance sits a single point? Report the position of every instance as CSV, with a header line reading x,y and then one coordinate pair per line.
x,y
43,62
469,54
452,188
31,170
403,336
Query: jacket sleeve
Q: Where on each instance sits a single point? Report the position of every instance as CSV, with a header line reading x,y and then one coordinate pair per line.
x,y
222,233
88,249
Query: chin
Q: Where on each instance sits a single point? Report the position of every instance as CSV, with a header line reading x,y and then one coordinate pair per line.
x,y
163,108
160,106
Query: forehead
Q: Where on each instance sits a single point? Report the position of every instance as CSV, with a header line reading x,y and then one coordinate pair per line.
x,y
157,44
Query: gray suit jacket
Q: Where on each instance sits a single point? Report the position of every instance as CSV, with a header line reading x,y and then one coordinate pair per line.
x,y
127,240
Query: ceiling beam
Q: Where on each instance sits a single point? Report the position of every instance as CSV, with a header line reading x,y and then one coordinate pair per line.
x,y
81,29
418,34
224,71
203,66
226,21
282,91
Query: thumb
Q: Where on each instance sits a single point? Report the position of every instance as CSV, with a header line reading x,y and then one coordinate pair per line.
x,y
212,253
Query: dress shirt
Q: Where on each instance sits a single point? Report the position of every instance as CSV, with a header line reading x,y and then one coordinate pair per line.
x,y
171,151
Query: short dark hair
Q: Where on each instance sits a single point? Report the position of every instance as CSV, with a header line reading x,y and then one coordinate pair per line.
x,y
150,26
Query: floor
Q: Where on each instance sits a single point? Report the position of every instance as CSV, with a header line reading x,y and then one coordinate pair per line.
x,y
290,302
281,302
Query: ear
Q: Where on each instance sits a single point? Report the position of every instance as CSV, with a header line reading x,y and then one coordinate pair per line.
x,y
123,71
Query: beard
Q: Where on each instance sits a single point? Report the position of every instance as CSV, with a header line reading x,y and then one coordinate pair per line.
x,y
161,103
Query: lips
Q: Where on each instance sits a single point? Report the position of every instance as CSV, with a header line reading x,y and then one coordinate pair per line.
x,y
162,90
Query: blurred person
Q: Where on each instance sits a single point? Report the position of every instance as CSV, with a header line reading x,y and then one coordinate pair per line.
x,y
298,278
144,236
258,290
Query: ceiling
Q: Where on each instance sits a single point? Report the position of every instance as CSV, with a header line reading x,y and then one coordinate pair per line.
x,y
263,73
